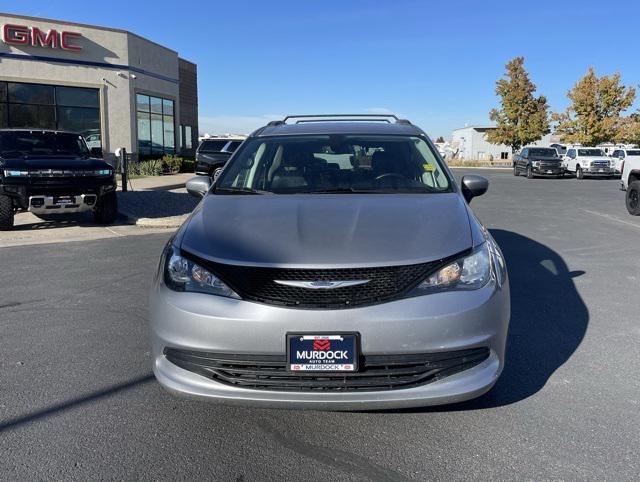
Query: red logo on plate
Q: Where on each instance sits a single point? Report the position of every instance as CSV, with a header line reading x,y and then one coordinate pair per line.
x,y
321,345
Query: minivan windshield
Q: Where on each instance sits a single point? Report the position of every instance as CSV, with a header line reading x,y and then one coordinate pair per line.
x,y
30,144
334,164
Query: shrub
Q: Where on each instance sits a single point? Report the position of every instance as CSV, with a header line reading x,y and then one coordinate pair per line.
x,y
151,167
171,164
156,167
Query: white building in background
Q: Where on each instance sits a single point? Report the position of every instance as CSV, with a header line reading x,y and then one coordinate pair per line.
x,y
470,143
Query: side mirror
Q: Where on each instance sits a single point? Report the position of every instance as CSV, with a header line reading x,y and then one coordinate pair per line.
x,y
96,152
474,186
198,186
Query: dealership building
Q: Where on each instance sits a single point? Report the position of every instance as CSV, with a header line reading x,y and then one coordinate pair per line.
x,y
112,86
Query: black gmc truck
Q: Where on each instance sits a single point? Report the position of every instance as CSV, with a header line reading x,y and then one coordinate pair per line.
x,y
52,172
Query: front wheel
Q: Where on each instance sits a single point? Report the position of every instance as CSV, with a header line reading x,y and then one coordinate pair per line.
x,y
515,170
529,172
579,173
6,213
216,172
107,209
633,198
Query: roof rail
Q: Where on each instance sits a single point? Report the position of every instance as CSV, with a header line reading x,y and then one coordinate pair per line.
x,y
303,118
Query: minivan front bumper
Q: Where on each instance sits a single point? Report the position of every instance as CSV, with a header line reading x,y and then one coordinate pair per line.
x,y
434,323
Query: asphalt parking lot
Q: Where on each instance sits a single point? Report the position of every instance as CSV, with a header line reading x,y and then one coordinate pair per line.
x,y
78,400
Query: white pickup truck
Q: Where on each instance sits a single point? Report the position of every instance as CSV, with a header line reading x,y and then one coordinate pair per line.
x,y
630,180
588,161
620,154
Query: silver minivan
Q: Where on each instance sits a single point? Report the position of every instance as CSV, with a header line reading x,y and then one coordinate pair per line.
x,y
334,264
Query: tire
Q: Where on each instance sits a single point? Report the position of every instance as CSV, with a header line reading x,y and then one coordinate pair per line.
x,y
529,172
515,170
216,172
106,211
579,173
633,198
6,213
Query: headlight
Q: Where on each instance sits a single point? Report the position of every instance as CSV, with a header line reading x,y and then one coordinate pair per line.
x,y
471,272
12,173
103,172
181,274
536,163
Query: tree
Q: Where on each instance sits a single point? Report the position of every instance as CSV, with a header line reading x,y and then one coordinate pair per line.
x,y
440,139
594,113
629,130
522,117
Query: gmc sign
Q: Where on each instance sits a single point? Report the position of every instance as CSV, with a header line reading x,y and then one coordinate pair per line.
x,y
33,36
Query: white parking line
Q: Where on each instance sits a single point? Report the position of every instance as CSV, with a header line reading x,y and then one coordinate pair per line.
x,y
612,218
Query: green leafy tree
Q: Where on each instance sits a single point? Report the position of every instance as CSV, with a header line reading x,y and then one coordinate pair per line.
x,y
594,113
522,117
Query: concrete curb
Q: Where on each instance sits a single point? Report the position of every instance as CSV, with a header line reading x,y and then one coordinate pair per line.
x,y
165,222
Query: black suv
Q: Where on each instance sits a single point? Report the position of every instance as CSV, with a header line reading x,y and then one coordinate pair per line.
x,y
52,172
213,154
538,161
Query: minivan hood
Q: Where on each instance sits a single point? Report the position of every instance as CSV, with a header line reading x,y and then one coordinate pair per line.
x,y
328,230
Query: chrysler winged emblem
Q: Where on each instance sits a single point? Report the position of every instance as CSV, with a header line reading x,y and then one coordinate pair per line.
x,y
322,284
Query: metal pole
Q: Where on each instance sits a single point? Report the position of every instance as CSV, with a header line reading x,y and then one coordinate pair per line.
x,y
123,168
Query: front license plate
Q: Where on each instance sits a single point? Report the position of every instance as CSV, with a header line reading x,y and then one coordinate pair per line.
x,y
549,171
322,352
63,200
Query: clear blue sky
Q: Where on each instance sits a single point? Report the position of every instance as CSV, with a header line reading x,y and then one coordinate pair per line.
x,y
433,62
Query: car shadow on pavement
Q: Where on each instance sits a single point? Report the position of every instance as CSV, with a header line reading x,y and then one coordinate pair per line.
x,y
548,322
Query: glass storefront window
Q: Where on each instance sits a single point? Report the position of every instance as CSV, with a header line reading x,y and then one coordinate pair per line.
x,y
31,93
4,122
156,105
144,133
142,102
156,131
167,107
77,97
187,137
169,134
83,120
38,116
75,109
157,135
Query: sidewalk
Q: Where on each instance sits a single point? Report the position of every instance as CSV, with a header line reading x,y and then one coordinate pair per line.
x,y
157,201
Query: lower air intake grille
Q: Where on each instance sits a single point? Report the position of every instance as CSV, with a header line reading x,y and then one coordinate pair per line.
x,y
377,372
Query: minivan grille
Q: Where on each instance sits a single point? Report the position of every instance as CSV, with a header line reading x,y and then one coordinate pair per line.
x,y
377,372
259,283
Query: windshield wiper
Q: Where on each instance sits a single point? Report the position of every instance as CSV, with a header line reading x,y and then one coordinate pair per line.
x,y
240,190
